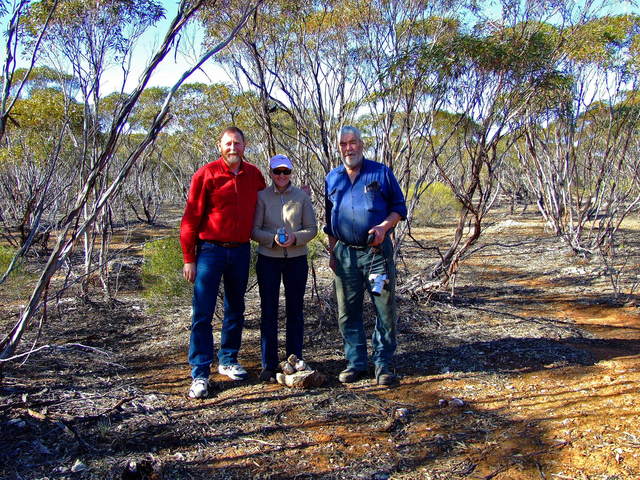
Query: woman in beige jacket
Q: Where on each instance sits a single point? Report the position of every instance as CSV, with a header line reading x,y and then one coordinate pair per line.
x,y
284,223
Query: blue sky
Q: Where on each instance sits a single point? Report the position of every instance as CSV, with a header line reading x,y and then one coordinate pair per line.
x,y
172,67
168,72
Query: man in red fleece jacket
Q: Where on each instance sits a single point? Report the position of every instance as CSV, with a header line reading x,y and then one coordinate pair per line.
x,y
214,234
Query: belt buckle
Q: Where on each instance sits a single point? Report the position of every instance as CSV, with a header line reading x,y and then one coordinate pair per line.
x,y
356,247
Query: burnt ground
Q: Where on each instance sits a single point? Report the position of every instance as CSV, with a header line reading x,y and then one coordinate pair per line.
x,y
530,371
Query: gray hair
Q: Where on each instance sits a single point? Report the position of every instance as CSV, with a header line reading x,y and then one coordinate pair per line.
x,y
348,129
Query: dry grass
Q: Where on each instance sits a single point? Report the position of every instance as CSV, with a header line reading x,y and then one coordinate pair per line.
x,y
529,371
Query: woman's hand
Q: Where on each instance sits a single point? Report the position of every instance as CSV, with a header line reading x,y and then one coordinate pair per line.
x,y
291,239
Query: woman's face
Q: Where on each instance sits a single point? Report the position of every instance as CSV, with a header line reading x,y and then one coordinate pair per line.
x,y
281,177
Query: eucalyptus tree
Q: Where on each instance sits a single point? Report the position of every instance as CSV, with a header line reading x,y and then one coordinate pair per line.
x,y
301,60
87,38
73,224
405,121
489,74
36,179
581,134
32,151
15,45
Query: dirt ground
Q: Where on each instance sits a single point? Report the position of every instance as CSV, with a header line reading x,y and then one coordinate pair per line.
x,y
530,371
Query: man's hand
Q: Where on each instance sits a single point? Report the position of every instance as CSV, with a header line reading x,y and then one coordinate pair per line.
x,y
189,272
379,233
332,256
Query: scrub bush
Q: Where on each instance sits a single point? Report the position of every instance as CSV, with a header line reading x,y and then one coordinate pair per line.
x,y
437,205
316,246
6,255
162,270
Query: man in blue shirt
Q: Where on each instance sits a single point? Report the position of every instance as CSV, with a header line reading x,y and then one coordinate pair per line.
x,y
363,203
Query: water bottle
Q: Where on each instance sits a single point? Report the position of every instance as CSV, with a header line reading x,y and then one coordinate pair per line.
x,y
282,235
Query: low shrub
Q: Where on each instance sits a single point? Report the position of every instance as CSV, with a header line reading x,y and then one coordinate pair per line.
x,y
162,270
437,205
6,255
316,246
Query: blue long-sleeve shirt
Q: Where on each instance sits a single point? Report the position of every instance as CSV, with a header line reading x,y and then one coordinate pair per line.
x,y
353,208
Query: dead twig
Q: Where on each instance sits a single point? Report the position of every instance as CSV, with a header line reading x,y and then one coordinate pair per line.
x,y
527,455
279,446
78,437
63,346
247,439
119,403
539,467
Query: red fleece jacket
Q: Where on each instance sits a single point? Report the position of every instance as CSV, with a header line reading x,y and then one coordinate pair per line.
x,y
220,206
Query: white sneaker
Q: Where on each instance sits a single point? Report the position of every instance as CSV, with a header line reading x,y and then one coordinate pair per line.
x,y
199,388
235,371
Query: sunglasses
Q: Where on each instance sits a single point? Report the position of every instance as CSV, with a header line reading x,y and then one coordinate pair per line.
x,y
281,171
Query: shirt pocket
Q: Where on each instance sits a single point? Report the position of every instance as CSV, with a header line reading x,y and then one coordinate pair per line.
x,y
374,201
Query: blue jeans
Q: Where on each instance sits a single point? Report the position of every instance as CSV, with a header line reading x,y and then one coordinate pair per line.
x,y
293,274
213,264
353,267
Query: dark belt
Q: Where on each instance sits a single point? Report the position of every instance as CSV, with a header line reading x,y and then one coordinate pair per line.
x,y
226,244
355,247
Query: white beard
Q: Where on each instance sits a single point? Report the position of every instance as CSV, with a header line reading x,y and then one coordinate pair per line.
x,y
352,161
232,159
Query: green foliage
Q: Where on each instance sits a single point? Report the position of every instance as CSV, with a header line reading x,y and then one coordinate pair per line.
x,y
528,49
6,255
437,205
316,246
148,107
523,54
34,126
47,110
430,28
79,20
162,270
44,77
601,40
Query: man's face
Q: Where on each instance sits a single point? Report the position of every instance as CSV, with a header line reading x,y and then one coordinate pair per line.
x,y
351,150
231,148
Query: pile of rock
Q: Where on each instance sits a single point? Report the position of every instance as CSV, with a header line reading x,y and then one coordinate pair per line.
x,y
297,374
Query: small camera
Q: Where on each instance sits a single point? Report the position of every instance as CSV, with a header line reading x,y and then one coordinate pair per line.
x,y
282,235
378,281
371,238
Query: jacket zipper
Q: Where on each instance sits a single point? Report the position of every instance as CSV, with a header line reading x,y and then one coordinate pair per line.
x,y
282,218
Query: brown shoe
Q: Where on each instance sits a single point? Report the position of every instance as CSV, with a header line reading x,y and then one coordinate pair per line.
x,y
384,376
267,376
351,375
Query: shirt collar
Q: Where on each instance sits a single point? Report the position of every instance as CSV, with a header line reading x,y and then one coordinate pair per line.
x,y
363,168
287,190
226,167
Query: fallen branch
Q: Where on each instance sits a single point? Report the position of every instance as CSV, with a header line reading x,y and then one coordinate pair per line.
x,y
63,346
104,412
279,446
80,440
